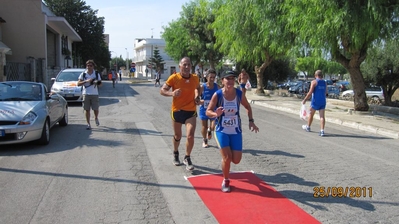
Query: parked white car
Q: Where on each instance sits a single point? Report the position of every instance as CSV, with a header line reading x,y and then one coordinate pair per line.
x,y
372,92
66,84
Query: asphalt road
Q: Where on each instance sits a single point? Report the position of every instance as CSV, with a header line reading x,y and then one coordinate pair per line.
x,y
122,172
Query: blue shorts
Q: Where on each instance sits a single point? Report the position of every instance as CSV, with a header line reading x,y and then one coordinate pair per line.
x,y
318,107
225,140
203,116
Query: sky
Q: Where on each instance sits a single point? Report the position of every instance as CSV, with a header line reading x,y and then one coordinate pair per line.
x,y
126,20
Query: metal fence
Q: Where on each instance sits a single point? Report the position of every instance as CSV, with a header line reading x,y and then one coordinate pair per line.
x,y
34,71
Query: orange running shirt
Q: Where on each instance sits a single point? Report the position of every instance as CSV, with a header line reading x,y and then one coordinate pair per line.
x,y
187,86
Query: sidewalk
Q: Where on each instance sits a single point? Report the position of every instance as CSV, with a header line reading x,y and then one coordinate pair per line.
x,y
377,120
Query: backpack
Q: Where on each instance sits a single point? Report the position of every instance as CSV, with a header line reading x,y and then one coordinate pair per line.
x,y
84,77
97,75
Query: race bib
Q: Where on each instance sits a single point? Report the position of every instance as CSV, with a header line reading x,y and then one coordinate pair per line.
x,y
206,103
230,121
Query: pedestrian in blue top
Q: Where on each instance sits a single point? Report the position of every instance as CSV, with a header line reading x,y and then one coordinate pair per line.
x,y
318,91
206,92
225,107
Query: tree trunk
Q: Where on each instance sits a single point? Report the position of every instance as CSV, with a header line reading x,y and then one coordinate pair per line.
x,y
259,75
357,81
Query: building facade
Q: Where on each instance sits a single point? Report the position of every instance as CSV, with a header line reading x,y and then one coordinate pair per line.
x,y
144,48
36,37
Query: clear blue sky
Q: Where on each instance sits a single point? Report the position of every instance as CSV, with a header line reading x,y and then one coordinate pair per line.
x,y
126,20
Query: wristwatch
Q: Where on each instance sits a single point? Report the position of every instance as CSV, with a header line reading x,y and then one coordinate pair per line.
x,y
251,120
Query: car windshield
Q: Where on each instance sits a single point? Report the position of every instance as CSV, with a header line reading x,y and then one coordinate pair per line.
x,y
20,92
68,76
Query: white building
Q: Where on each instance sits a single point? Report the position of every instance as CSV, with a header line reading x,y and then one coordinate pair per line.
x,y
144,48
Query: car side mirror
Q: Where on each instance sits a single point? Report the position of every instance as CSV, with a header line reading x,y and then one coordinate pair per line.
x,y
54,97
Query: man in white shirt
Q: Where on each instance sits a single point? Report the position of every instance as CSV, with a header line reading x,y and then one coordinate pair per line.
x,y
90,80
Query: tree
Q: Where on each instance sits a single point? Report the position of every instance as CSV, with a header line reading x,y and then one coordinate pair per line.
x,y
252,31
156,61
198,19
343,29
89,27
177,39
192,35
278,71
308,65
382,68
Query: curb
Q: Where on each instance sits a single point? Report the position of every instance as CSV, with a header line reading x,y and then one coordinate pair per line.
x,y
350,124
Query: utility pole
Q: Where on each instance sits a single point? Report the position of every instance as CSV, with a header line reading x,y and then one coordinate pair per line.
x,y
127,60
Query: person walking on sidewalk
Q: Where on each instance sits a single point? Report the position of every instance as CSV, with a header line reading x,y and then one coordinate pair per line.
x,y
90,80
225,107
319,92
120,75
206,93
157,78
185,92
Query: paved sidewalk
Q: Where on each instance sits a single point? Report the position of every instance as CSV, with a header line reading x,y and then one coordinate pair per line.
x,y
341,112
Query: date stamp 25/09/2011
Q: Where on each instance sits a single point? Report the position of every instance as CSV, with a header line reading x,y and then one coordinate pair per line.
x,y
342,192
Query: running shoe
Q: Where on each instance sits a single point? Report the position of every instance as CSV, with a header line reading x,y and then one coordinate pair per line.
x,y
209,134
321,133
205,143
88,127
97,122
306,128
226,186
176,160
188,163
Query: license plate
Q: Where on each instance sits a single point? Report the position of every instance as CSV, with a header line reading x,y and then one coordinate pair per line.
x,y
68,95
2,133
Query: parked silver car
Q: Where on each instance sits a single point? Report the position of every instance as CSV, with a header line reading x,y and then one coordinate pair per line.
x,y
66,84
374,92
28,111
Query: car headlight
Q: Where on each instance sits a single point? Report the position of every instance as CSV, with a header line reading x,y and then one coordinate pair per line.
x,y
28,119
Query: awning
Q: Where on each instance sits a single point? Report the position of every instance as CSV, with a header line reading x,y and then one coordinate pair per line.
x,y
61,24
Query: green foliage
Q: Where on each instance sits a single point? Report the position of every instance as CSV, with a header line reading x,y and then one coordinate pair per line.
x,y
252,31
192,35
119,61
279,70
177,40
382,67
90,28
156,61
344,30
309,65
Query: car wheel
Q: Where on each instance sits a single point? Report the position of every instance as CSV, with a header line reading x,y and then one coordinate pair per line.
x,y
64,120
45,138
376,98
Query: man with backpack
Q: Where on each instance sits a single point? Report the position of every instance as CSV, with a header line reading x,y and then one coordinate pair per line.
x,y
90,80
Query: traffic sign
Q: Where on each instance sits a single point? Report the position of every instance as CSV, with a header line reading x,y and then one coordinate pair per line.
x,y
132,69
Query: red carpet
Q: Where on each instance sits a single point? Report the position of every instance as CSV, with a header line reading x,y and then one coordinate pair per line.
x,y
251,200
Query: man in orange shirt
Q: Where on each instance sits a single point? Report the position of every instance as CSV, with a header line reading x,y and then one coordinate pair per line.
x,y
185,92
